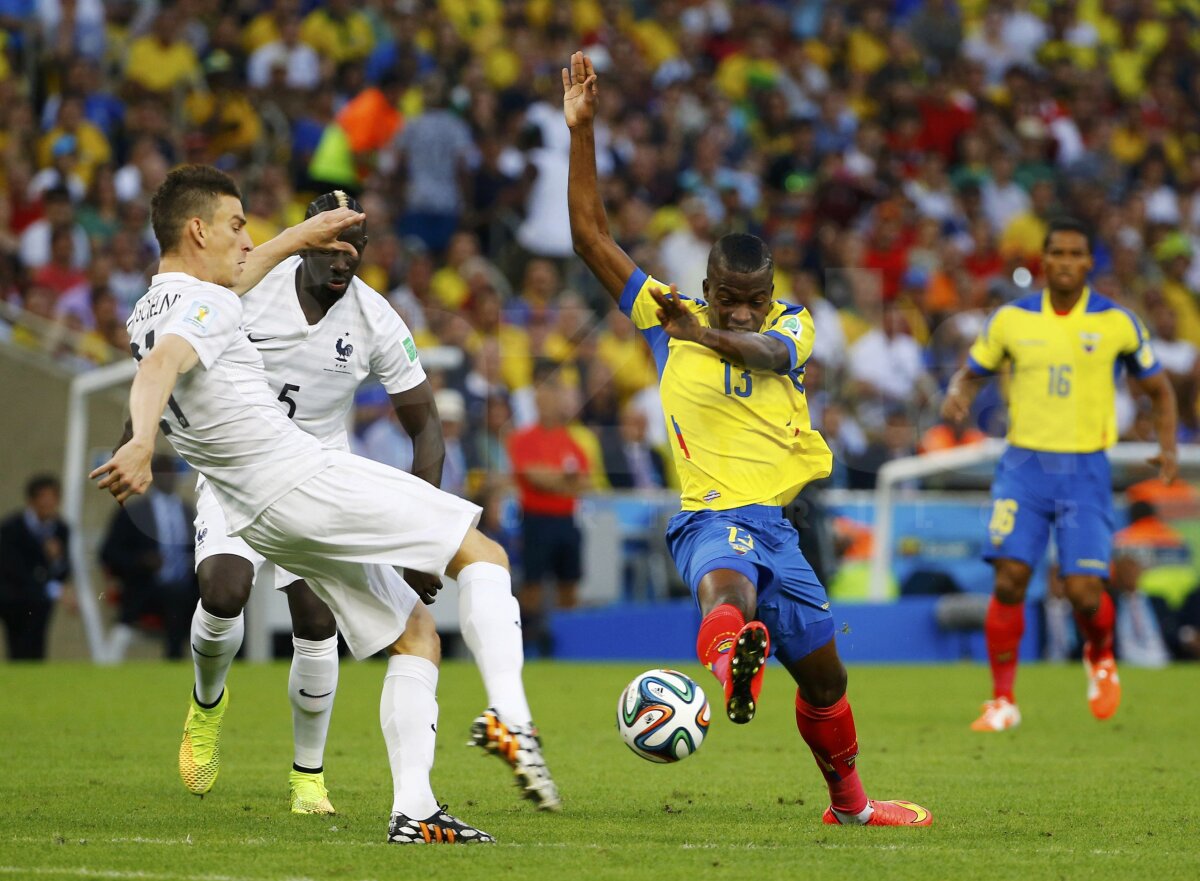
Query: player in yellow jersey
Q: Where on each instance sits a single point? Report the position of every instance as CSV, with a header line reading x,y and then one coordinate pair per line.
x,y
1065,346
731,375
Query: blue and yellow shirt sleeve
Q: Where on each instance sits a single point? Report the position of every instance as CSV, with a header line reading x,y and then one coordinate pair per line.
x,y
1138,355
794,328
990,349
637,303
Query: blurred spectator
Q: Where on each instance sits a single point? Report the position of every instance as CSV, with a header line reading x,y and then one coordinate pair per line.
x,y
887,366
629,459
149,551
437,152
452,412
35,250
338,31
299,61
684,251
162,60
551,471
34,568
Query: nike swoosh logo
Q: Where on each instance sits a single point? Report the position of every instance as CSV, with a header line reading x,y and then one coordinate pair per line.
x,y
434,727
202,654
917,809
261,339
304,693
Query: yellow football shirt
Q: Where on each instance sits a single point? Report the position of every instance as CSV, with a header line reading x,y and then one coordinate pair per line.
x,y
741,437
1062,390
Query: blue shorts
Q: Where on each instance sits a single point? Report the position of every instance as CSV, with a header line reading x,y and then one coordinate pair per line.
x,y
756,541
1071,492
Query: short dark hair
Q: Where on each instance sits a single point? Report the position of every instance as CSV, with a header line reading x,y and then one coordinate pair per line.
x,y
40,482
1067,224
189,191
331,201
741,252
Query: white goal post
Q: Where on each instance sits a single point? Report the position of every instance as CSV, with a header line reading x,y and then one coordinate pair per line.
x,y
898,471
75,483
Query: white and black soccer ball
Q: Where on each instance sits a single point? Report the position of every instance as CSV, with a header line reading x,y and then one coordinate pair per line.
x,y
663,716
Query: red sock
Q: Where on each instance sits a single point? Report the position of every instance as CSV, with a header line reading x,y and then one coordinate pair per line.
x,y
717,632
829,733
1098,629
1003,628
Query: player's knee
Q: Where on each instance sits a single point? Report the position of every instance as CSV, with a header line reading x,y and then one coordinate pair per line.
x,y
1012,580
420,637
311,618
316,625
225,584
1084,592
477,548
824,685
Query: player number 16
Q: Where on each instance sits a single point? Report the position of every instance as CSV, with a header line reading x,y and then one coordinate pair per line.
x,y
1060,381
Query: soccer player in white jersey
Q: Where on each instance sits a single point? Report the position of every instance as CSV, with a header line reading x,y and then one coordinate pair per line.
x,y
336,520
321,331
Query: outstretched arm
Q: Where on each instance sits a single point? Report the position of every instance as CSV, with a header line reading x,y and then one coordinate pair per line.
x,y
319,231
127,473
589,222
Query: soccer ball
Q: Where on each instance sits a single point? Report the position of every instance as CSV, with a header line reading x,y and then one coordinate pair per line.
x,y
663,716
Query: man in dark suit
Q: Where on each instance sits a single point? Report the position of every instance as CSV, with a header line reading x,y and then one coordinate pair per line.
x,y
630,462
149,550
34,568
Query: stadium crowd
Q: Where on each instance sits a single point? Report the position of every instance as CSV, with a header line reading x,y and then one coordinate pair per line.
x,y
902,159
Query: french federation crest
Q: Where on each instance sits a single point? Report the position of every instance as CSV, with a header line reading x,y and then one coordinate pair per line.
x,y
1089,340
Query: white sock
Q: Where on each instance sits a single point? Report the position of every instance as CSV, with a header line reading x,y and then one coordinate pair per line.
x,y
859,819
408,713
215,642
311,687
490,618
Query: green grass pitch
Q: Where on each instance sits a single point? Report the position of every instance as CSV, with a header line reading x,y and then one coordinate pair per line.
x,y
89,790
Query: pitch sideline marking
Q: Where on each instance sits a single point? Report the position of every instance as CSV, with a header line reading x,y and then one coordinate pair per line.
x,y
120,875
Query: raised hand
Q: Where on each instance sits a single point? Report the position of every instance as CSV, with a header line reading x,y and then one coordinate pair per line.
x,y
677,320
321,231
579,91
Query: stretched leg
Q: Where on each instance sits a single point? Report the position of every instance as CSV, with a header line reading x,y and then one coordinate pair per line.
x,y
408,714
826,723
1096,615
491,626
732,649
312,684
217,629
1003,628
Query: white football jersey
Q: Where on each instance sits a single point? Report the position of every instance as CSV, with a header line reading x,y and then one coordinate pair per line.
x,y
222,417
314,370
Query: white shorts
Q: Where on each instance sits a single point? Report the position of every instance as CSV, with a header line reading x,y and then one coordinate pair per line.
x,y
212,538
348,529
